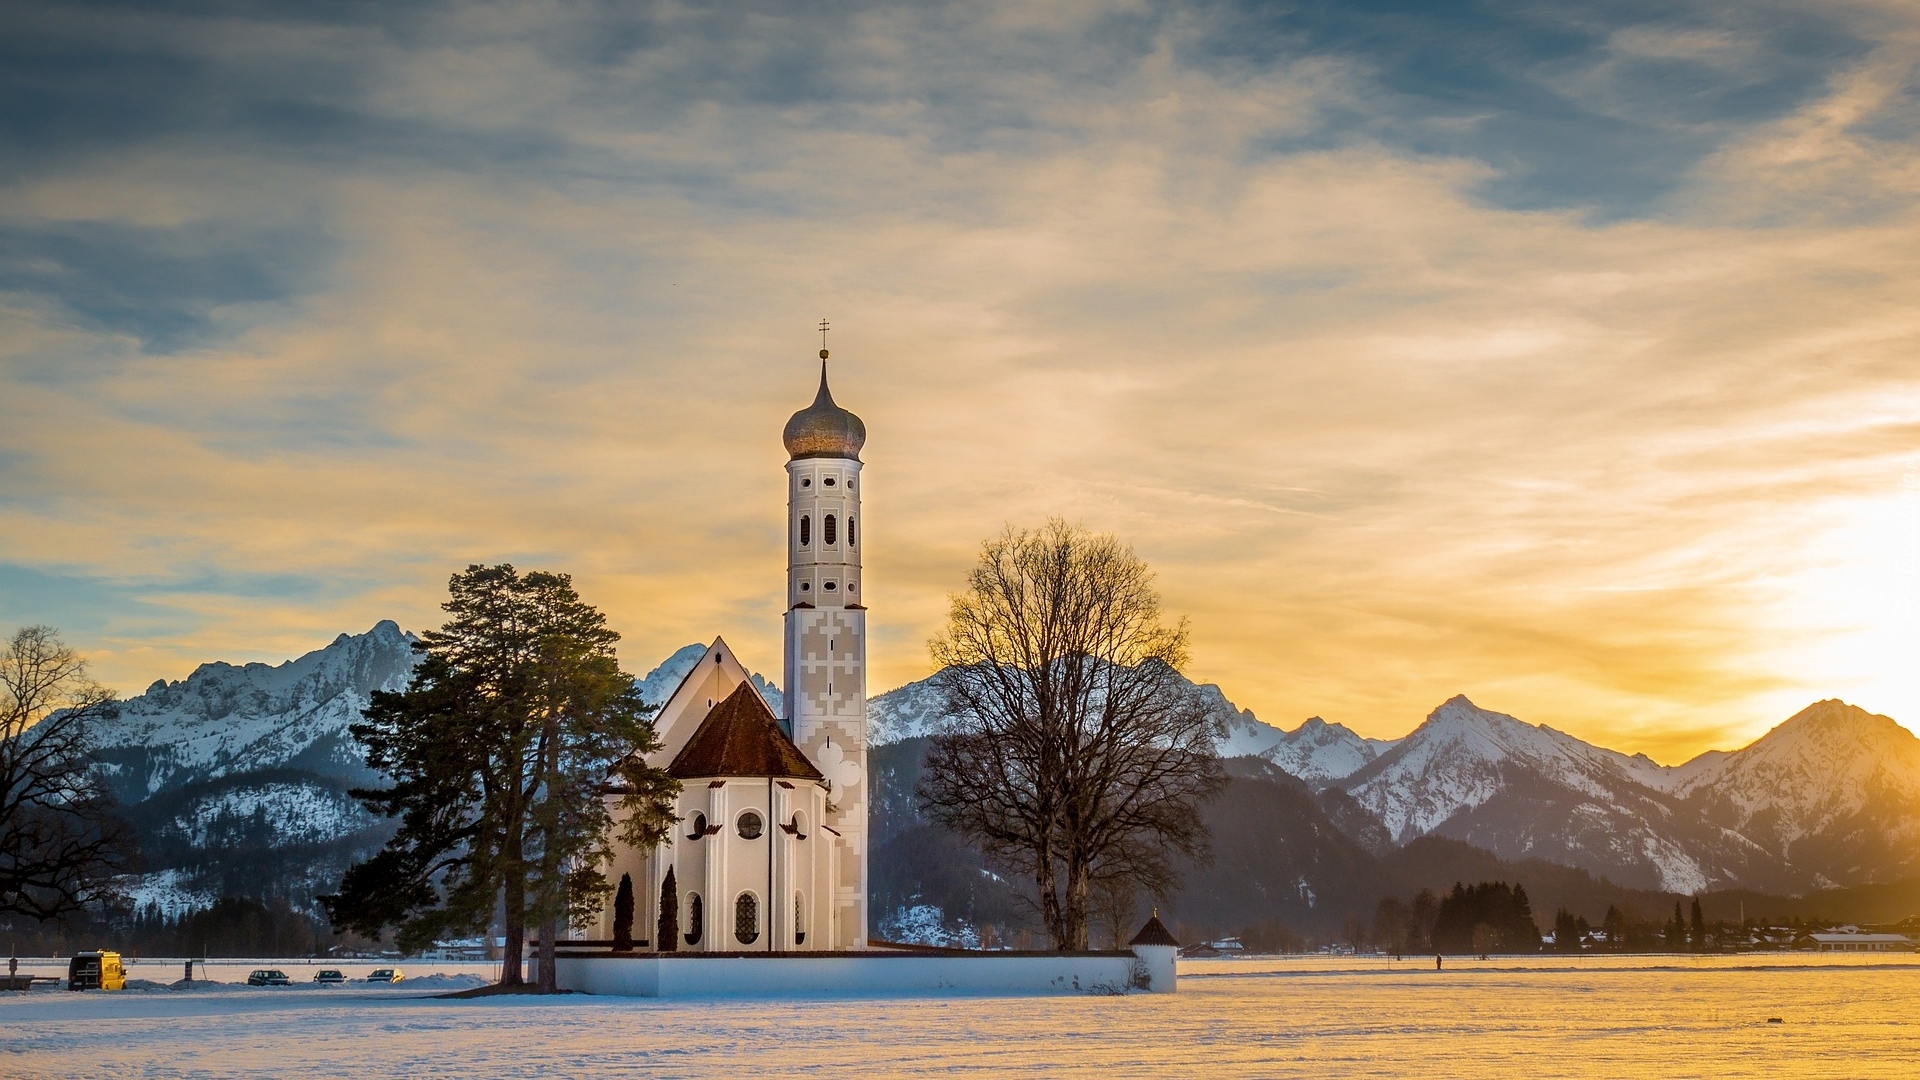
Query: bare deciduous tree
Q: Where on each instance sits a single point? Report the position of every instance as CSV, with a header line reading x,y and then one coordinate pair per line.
x,y
1072,749
60,844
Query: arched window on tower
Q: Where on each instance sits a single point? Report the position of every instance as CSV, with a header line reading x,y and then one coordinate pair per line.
x,y
827,530
852,536
746,919
694,918
799,919
806,530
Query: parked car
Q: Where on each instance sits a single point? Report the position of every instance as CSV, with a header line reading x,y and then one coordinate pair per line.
x,y
96,971
386,975
329,977
268,977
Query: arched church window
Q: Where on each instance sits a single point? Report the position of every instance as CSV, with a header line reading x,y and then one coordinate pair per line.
x,y
695,916
799,825
799,919
806,530
850,532
826,529
699,827
750,825
746,919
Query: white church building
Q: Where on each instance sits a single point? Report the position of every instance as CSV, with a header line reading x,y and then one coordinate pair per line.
x,y
771,850
769,858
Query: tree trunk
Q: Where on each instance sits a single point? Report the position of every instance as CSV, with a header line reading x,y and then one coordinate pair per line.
x,y
512,958
1074,914
549,933
1045,883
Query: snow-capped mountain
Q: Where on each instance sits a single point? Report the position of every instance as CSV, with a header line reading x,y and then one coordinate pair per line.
x,y
237,780
224,719
245,769
1835,790
1831,796
1320,753
1317,752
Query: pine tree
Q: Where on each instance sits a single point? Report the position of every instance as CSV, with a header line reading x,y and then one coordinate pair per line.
x,y
1566,932
1698,929
1615,926
623,915
667,939
517,724
1677,931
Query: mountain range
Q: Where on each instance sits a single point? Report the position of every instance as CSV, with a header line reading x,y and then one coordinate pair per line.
x,y
237,776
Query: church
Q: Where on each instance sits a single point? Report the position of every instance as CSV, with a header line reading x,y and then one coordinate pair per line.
x,y
766,870
770,853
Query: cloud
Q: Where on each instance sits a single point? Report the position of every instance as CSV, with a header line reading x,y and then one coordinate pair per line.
x,y
1546,357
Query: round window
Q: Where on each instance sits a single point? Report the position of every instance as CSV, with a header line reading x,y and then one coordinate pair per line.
x,y
806,483
750,825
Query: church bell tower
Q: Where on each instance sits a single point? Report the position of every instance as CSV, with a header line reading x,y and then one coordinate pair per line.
x,y
825,666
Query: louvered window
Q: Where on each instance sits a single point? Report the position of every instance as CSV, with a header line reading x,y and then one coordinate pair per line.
x,y
827,532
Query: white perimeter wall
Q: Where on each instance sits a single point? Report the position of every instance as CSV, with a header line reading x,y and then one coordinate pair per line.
x,y
700,976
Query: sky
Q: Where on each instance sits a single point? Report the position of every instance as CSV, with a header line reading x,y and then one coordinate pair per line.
x,y
1564,355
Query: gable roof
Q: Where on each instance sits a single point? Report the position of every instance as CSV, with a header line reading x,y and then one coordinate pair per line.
x,y
1154,933
740,737
710,680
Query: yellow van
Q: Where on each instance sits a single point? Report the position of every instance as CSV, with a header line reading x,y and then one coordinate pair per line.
x,y
96,971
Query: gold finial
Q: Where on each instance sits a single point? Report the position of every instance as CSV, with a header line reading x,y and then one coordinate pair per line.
x,y
823,339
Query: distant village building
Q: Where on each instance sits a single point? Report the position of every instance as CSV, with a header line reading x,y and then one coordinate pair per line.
x,y
771,850
1853,939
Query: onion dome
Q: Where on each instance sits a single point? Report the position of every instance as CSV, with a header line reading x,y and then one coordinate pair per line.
x,y
824,429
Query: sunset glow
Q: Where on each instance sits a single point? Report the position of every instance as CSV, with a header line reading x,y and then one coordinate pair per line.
x,y
1580,375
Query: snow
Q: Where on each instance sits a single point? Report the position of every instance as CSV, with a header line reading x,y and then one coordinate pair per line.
x,y
167,891
1819,767
1546,1017
1455,761
1320,753
927,924
295,812
227,719
1317,752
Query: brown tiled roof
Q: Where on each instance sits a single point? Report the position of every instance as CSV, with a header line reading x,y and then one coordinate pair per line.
x,y
1154,933
740,737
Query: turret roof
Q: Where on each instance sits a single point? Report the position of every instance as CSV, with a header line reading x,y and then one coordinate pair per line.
x,y
824,429
1154,933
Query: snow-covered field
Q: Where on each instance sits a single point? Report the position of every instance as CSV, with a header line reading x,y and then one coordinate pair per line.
x,y
1537,1017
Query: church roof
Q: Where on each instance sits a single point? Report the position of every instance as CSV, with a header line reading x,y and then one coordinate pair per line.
x,y
1154,933
740,737
824,429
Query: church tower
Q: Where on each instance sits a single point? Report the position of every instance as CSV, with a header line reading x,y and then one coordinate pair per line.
x,y
825,666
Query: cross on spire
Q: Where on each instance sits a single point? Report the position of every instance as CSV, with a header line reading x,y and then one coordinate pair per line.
x,y
823,339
